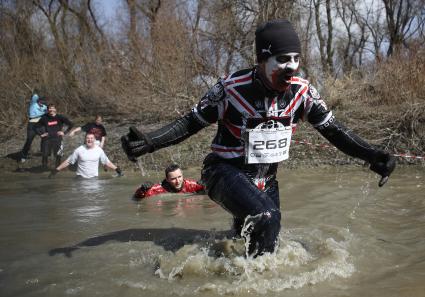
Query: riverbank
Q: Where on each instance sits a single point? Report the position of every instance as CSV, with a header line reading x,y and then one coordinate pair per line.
x,y
308,149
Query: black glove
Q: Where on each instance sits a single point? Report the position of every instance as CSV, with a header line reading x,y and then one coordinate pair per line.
x,y
119,172
383,164
141,191
146,186
53,172
135,144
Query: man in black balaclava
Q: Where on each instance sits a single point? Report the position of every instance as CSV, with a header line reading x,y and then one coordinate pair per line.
x,y
257,110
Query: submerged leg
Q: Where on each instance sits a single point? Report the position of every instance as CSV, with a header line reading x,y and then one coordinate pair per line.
x,y
234,191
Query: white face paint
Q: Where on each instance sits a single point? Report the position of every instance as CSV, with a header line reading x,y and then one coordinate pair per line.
x,y
280,68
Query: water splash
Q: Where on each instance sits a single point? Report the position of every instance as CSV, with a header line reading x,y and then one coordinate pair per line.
x,y
293,265
365,192
140,165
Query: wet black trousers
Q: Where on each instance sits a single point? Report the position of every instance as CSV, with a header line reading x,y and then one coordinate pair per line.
x,y
50,145
258,211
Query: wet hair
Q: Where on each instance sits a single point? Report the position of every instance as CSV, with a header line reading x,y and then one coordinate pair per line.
x,y
171,168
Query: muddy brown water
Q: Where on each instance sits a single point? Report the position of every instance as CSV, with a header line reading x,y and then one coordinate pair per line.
x,y
341,236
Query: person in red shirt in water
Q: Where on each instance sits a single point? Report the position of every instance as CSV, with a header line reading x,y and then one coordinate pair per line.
x,y
173,183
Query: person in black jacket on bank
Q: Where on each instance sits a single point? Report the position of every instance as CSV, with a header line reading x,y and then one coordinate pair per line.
x,y
51,129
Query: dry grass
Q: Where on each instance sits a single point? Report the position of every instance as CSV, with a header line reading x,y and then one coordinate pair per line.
x,y
386,104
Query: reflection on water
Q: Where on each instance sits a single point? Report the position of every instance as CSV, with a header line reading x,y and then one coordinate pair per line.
x,y
341,236
88,186
184,206
92,191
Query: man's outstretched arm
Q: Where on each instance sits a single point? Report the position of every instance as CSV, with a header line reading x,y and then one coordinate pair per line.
x,y
351,144
137,143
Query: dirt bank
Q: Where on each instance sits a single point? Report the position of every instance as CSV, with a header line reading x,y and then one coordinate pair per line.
x,y
189,153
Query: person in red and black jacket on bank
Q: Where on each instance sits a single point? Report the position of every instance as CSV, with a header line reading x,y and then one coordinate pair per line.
x,y
51,130
173,183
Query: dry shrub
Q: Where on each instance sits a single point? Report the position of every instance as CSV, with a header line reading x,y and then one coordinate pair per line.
x,y
172,71
386,104
153,79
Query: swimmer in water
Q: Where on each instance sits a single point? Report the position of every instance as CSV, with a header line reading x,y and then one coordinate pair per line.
x,y
173,183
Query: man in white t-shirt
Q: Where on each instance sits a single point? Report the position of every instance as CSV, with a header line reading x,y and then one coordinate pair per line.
x,y
87,157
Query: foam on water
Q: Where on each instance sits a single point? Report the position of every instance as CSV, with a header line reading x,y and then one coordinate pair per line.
x,y
294,265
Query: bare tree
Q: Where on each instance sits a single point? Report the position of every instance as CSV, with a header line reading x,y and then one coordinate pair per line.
x,y
55,14
18,39
274,9
306,35
133,37
368,17
356,35
403,17
78,41
325,41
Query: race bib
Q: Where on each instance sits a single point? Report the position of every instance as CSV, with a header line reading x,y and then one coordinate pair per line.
x,y
270,145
